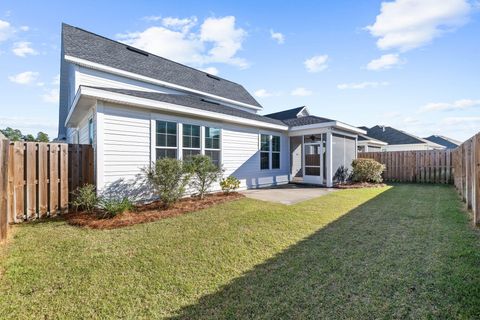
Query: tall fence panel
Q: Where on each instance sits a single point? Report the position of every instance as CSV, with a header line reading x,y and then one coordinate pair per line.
x,y
429,166
39,180
466,160
4,157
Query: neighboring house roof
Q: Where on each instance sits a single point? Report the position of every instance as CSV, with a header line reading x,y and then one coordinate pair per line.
x,y
286,114
394,136
444,141
193,102
295,118
367,139
82,44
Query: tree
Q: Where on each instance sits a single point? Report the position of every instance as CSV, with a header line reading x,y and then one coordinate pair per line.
x,y
29,137
42,137
204,173
12,134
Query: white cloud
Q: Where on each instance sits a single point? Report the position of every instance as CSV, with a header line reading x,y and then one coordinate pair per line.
x,y
456,121
301,92
387,61
6,30
277,36
179,24
262,93
152,18
211,70
22,49
316,63
408,24
24,28
448,106
26,77
216,40
51,96
362,85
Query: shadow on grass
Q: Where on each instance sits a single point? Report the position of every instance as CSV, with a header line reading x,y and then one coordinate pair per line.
x,y
395,256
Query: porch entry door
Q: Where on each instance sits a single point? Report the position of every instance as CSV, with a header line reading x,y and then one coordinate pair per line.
x,y
313,172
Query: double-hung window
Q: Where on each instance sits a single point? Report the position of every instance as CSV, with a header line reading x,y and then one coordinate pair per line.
x,y
191,141
264,151
269,152
166,139
212,144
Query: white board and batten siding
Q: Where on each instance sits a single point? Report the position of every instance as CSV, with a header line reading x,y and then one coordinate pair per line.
x,y
129,137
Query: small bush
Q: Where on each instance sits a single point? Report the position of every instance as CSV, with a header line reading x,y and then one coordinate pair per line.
x,y
367,170
85,198
112,207
342,175
204,173
229,184
168,178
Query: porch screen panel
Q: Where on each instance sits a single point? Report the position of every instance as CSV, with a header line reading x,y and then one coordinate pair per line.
x,y
338,152
312,160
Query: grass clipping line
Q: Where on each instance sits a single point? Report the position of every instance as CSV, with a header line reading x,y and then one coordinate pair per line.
x,y
149,212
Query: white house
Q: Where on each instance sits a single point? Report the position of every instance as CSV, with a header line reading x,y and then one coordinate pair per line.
x,y
135,107
398,140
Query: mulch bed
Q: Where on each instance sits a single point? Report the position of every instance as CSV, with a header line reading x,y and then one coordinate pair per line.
x,y
359,185
148,212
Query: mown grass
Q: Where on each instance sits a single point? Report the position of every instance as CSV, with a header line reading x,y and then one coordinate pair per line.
x,y
405,251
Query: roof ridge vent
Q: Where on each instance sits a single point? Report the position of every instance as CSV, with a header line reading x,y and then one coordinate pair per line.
x,y
212,76
143,53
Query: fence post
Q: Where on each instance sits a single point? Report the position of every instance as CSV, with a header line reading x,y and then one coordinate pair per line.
x,y
4,148
476,180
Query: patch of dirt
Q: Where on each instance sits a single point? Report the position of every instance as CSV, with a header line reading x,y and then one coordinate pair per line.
x,y
149,212
359,185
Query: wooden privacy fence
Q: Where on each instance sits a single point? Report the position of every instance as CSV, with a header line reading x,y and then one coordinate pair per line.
x,y
432,166
39,178
466,159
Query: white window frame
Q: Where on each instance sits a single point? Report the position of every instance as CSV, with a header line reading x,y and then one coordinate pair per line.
x,y
155,147
199,149
204,145
270,150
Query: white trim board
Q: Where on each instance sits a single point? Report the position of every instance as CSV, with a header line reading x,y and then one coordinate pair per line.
x,y
163,106
101,67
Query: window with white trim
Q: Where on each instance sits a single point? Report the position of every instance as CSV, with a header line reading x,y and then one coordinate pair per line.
x,y
191,141
269,152
264,152
90,131
212,144
166,139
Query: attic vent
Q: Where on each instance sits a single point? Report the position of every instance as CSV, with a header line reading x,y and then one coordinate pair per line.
x,y
213,77
143,53
207,101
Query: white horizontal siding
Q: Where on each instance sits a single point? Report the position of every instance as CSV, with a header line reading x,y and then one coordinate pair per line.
x,y
127,148
126,143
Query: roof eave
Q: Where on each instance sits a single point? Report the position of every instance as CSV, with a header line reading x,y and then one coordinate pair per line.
x,y
131,75
103,95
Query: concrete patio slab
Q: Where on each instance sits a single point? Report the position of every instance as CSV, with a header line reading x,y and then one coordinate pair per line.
x,y
287,194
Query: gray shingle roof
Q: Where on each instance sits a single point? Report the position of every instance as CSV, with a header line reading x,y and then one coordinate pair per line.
x,y
94,48
286,114
303,121
444,141
192,101
393,136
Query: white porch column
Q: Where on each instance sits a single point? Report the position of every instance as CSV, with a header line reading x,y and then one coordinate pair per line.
x,y
329,163
99,142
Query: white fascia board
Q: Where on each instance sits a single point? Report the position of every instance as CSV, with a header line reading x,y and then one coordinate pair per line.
x,y
119,98
333,124
135,76
375,142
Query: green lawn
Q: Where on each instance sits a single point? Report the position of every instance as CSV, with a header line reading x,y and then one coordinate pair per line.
x,y
405,251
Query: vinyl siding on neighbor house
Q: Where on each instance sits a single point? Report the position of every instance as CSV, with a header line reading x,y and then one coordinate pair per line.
x,y
128,146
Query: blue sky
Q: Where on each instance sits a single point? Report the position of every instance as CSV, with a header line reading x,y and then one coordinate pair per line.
x,y
411,64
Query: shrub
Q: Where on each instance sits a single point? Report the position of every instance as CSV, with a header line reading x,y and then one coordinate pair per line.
x,y
229,184
342,174
367,170
204,173
85,198
112,207
168,178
